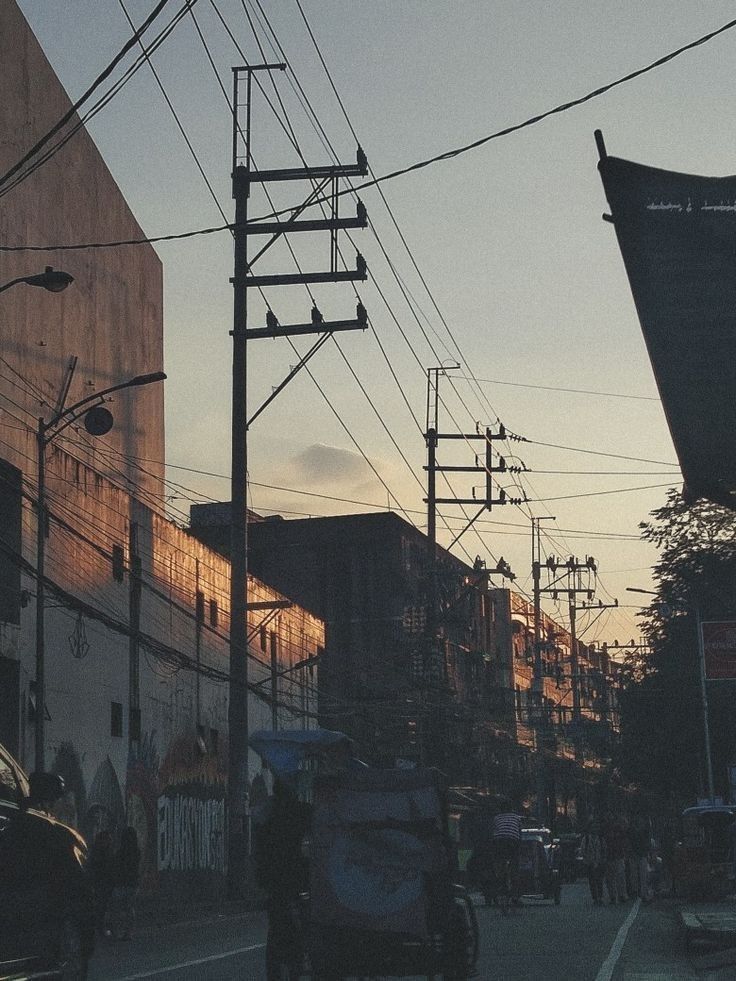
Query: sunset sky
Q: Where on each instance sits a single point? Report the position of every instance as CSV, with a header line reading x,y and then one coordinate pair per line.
x,y
496,258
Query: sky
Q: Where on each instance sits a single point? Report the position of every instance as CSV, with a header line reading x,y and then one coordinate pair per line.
x,y
497,259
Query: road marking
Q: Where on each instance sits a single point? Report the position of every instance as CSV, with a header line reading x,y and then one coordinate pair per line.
x,y
608,966
194,963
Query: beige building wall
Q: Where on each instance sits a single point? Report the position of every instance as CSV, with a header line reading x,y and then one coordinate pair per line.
x,y
110,318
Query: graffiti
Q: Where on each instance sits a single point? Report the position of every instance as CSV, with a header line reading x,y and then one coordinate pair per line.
x,y
191,834
105,809
141,794
71,808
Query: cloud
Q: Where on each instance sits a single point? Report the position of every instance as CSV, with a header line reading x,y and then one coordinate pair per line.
x,y
319,463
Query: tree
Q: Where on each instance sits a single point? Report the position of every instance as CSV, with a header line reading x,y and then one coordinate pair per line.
x,y
661,745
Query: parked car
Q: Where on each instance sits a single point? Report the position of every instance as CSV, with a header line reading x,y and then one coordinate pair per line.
x,y
46,905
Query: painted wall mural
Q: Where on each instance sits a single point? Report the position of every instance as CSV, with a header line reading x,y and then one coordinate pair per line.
x,y
190,820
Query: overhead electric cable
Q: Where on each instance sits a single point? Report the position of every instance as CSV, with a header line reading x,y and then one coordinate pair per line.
x,y
449,154
130,43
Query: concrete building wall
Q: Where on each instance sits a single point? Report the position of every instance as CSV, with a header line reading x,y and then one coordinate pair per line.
x,y
164,772
111,317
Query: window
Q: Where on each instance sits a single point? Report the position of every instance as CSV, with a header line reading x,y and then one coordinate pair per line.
x,y
263,638
116,719
118,563
134,725
214,613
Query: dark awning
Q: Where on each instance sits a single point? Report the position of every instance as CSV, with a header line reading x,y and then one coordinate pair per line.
x,y
677,235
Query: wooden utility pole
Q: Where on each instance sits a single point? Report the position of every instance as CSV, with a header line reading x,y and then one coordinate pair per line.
x,y
243,177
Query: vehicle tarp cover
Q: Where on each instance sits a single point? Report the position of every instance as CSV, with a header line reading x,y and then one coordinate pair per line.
x,y
377,842
677,235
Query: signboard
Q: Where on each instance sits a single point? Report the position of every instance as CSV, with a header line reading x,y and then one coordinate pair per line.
x,y
677,235
719,649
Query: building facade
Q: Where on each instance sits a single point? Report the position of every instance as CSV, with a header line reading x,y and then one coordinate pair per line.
x,y
136,611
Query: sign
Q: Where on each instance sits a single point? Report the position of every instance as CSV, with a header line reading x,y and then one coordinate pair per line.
x,y
719,649
677,235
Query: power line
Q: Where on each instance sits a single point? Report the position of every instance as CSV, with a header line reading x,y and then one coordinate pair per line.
x,y
447,155
555,388
130,43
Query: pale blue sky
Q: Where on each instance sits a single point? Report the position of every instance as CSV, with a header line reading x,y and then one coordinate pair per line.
x,y
508,237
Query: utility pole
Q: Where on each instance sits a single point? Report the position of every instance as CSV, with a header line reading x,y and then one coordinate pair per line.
x,y
432,438
244,176
538,683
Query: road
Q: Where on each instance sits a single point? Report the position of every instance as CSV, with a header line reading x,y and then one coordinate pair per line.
x,y
575,940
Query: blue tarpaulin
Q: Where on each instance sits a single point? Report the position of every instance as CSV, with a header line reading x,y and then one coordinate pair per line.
x,y
284,750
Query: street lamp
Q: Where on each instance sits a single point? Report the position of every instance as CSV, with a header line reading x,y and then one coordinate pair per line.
x,y
98,421
703,685
53,280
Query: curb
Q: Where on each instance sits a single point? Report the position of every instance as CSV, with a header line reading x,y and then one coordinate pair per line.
x,y
705,926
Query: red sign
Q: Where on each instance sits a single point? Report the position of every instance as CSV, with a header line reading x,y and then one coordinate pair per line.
x,y
719,648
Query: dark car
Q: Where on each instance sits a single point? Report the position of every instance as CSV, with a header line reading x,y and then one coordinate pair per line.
x,y
46,907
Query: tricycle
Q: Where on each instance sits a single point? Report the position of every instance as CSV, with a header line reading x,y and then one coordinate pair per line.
x,y
539,873
382,898
702,862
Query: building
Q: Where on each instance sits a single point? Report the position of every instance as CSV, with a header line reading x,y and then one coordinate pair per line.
x,y
401,696
136,611
467,702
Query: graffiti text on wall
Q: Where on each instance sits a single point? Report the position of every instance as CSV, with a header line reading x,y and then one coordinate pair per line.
x,y
191,834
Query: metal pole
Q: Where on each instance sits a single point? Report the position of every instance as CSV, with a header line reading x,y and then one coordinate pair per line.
x,y
274,682
238,688
575,668
40,763
704,701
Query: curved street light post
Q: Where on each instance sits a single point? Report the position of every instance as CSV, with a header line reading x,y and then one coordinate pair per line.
x,y
45,434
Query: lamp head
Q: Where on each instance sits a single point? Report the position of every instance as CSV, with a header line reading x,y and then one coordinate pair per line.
x,y
53,280
152,376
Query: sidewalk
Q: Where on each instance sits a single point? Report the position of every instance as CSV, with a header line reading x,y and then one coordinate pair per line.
x,y
714,923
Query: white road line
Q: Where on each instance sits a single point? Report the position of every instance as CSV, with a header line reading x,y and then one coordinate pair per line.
x,y
609,965
183,964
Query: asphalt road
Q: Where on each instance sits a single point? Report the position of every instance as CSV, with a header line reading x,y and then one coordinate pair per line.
x,y
575,941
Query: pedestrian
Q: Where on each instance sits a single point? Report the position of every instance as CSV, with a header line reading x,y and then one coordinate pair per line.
x,y
615,841
593,852
640,841
101,868
282,872
126,873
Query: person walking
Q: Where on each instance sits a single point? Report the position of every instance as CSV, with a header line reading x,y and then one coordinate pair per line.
x,y
640,841
615,874
126,876
593,852
102,870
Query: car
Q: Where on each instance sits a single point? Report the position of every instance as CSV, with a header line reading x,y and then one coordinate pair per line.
x,y
47,924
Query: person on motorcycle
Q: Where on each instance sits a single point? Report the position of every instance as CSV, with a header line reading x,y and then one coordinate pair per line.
x,y
281,871
506,843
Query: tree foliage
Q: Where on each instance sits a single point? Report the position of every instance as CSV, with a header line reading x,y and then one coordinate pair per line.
x,y
662,744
